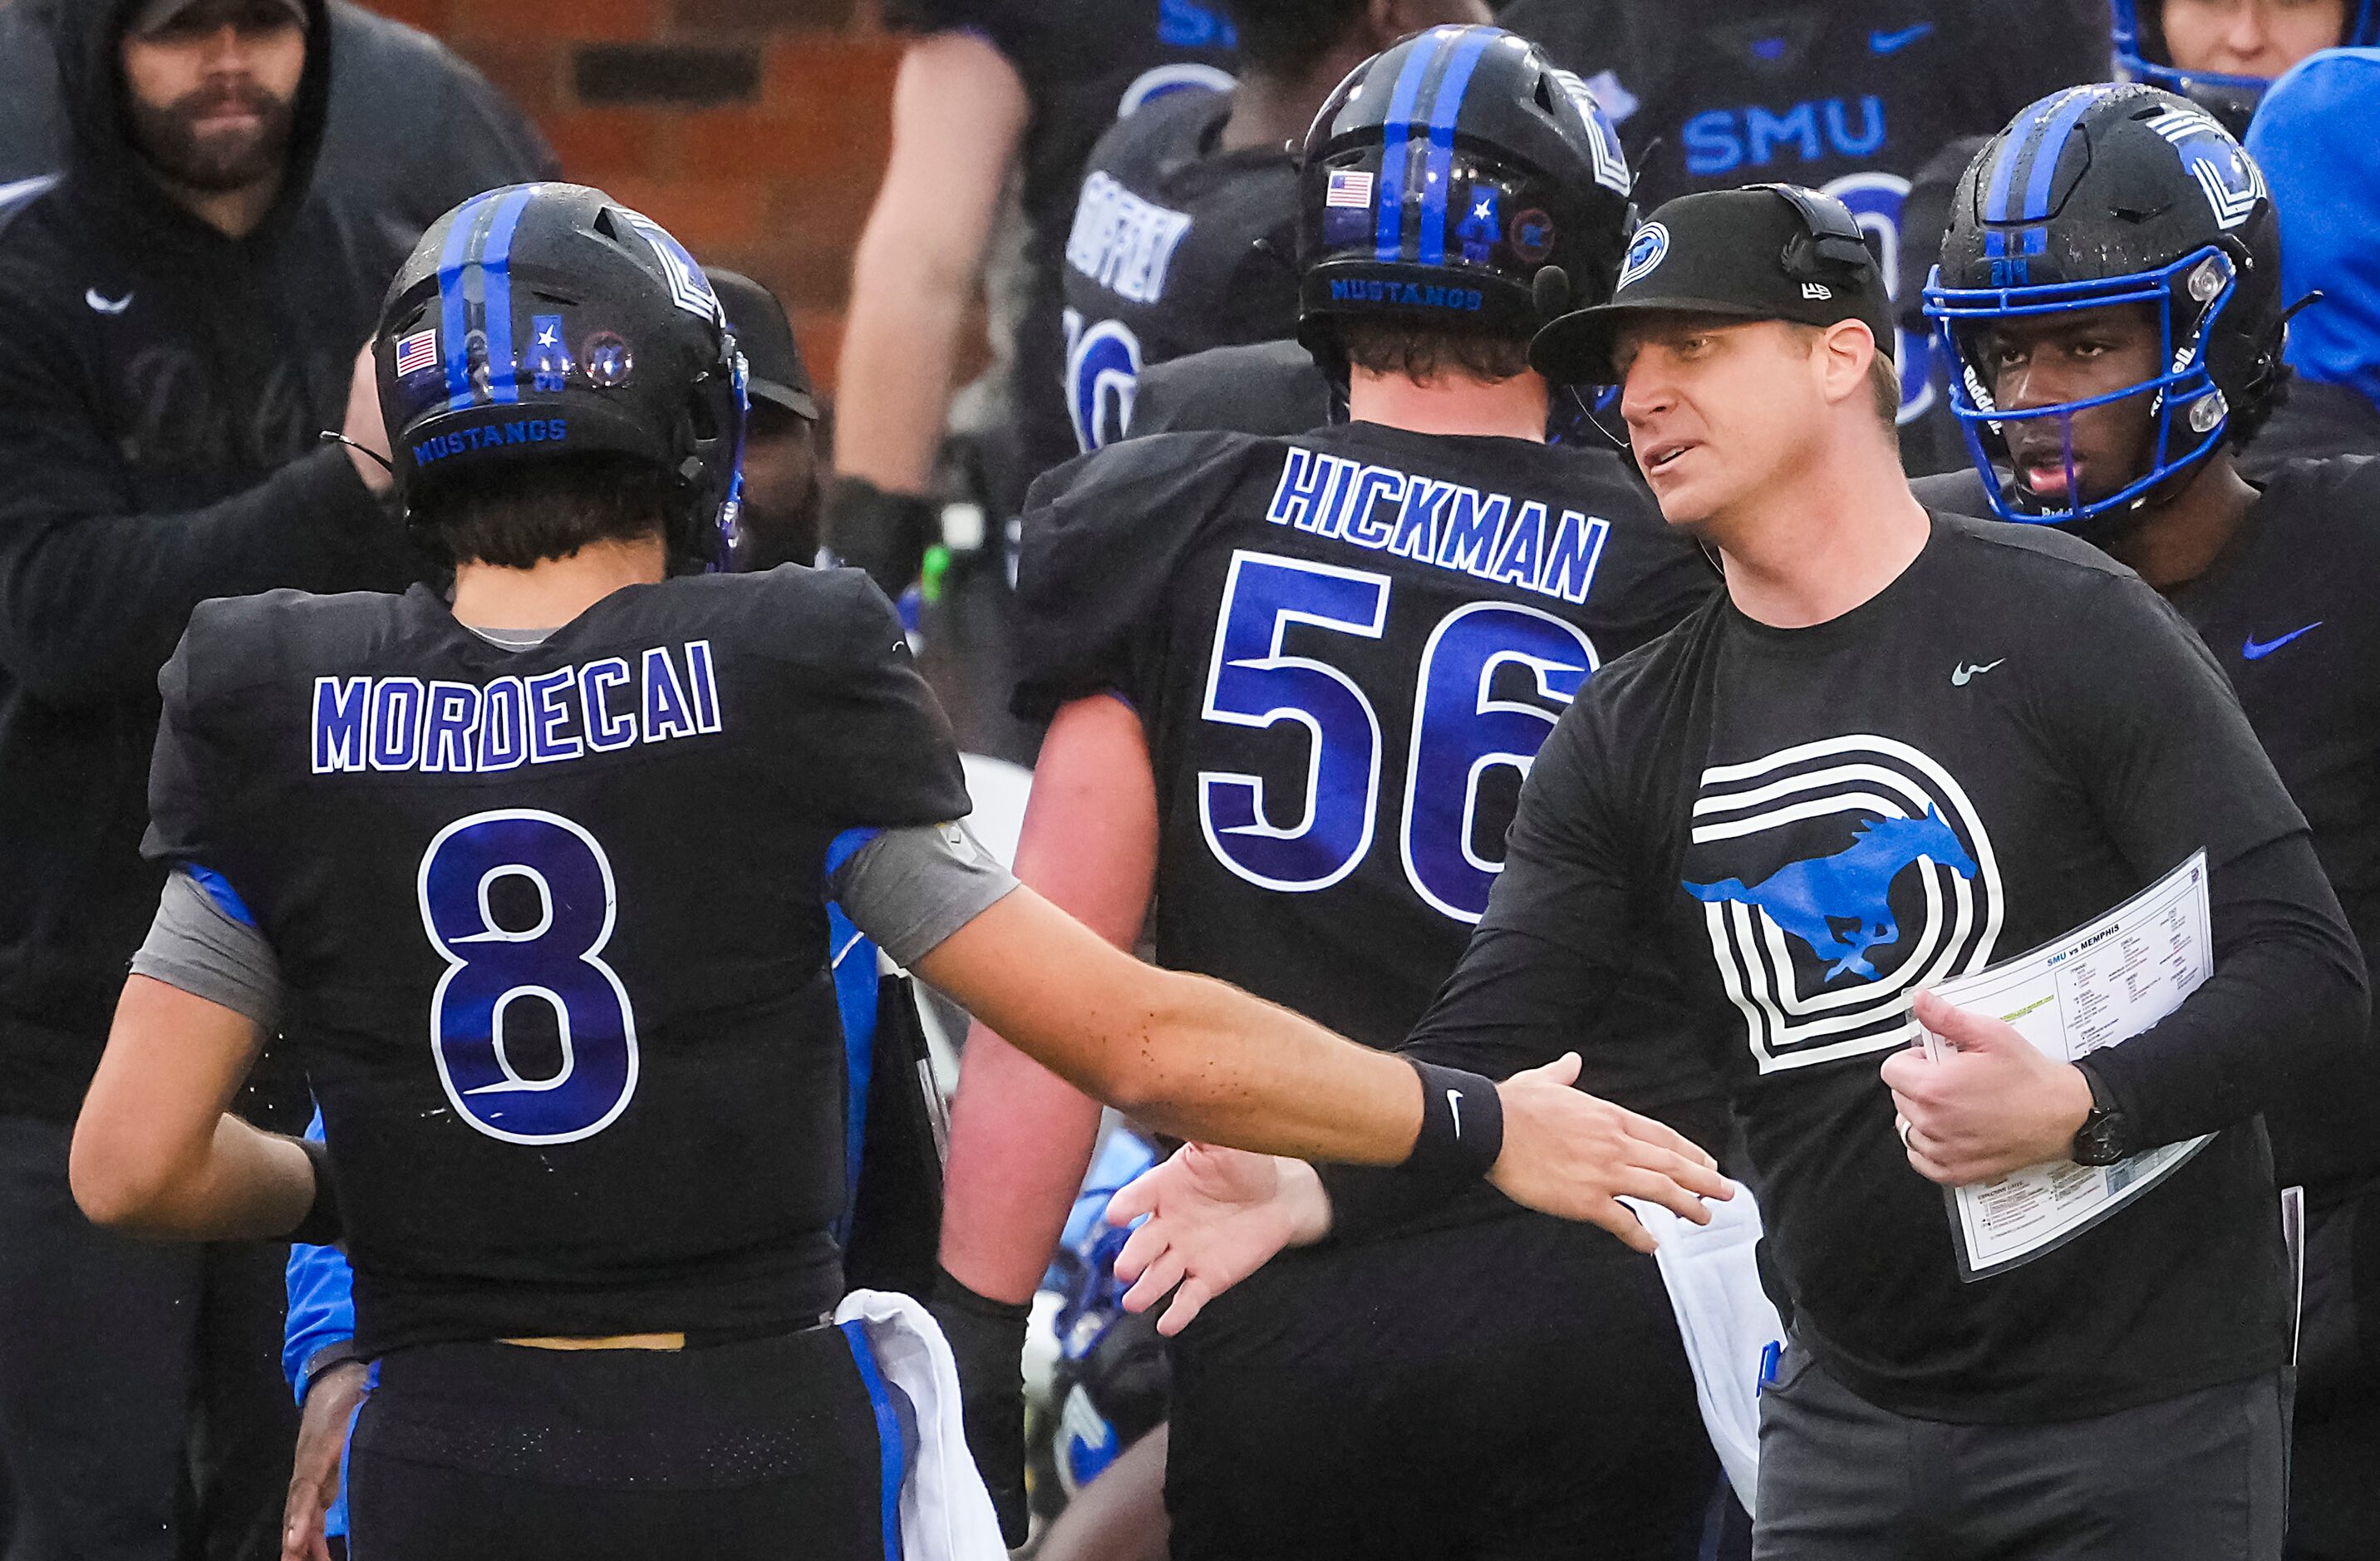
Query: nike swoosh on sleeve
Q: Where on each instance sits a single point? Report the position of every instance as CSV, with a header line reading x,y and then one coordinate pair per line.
x,y
1885,43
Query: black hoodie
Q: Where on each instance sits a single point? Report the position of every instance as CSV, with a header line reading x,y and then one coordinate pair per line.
x,y
161,389
413,130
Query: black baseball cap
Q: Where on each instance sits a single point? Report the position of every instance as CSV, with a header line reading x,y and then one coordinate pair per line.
x,y
1770,252
766,337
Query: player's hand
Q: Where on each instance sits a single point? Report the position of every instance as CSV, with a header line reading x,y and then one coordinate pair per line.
x,y
323,1424
1568,1153
1996,1105
987,1338
1215,1216
365,425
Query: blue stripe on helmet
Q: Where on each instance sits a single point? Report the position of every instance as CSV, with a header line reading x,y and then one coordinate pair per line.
x,y
1389,235
2012,150
2053,144
454,309
496,288
1439,167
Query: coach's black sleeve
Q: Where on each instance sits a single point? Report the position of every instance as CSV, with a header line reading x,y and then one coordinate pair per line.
x,y
2172,765
2284,1011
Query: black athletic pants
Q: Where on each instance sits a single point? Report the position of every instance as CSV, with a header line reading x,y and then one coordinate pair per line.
x,y
1508,1388
2199,1477
769,1448
143,1416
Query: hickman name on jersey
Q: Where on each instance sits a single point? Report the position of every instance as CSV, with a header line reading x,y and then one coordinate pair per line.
x,y
1345,648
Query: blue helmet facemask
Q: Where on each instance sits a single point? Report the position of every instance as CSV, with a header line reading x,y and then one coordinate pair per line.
x,y
2189,414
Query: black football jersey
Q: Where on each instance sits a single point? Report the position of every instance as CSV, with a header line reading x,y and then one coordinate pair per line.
x,y
2282,608
1177,247
1345,649
1810,823
1849,96
1084,63
554,928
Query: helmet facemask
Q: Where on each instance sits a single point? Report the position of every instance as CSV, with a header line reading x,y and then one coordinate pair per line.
x,y
2189,414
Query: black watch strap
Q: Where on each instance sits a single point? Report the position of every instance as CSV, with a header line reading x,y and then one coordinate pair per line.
x,y
2105,1134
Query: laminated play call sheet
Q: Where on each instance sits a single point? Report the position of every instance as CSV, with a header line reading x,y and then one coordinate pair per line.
x,y
2106,981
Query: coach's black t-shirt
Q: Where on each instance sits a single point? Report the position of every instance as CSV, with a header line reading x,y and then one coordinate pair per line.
x,y
1085,65
554,928
1345,648
1177,246
2012,738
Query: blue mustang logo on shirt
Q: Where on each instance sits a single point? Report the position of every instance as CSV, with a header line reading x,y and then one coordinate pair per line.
x,y
1841,905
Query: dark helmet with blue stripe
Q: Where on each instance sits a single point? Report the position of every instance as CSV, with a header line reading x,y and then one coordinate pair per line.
x,y
547,320
1444,177
2141,55
2108,195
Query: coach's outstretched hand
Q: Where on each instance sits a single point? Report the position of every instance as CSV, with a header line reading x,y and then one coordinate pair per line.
x,y
1567,1152
1217,1215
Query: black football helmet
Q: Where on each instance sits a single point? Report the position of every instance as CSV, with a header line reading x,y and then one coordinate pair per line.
x,y
2142,56
1445,178
547,320
2105,195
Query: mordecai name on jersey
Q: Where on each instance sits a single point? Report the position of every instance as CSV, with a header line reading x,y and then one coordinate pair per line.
x,y
1446,525
444,727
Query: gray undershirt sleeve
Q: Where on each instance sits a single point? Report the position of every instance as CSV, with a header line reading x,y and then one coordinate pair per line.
x,y
911,887
194,945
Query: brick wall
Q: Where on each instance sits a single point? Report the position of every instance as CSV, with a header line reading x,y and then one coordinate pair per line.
x,y
756,130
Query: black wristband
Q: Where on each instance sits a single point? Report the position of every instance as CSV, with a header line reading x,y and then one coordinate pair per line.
x,y
322,1226
952,1293
332,1356
1462,1124
886,534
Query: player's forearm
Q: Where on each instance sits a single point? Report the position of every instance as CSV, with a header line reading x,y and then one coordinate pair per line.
x,y
898,352
1185,1053
243,1184
1020,1138
959,112
1209,1061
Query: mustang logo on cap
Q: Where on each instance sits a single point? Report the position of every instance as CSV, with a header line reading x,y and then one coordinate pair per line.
x,y
1645,251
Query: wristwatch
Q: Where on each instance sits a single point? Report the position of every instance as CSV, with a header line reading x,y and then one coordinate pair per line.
x,y
2106,1135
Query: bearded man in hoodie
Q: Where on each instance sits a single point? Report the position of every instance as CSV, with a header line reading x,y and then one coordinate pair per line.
x,y
180,316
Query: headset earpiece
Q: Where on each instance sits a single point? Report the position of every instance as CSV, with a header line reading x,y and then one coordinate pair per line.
x,y
1831,246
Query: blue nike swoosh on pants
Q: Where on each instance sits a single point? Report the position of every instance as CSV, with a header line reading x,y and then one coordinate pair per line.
x,y
1893,42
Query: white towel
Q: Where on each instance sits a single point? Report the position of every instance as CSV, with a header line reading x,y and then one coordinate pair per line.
x,y
1726,1320
945,1513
